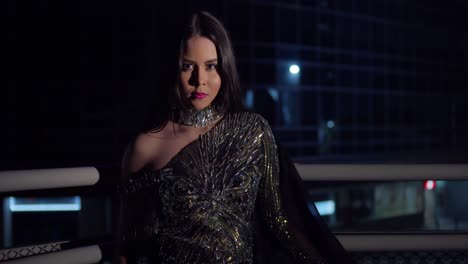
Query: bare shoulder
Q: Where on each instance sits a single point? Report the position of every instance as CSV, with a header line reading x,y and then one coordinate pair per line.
x,y
141,151
144,143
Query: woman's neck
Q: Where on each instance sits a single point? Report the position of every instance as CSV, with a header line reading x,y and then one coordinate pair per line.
x,y
198,118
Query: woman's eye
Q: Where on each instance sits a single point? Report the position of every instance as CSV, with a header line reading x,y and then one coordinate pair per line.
x,y
211,66
187,66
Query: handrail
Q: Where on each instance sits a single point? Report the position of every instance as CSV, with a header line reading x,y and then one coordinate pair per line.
x,y
72,249
403,242
30,250
382,172
11,181
81,255
23,180
391,172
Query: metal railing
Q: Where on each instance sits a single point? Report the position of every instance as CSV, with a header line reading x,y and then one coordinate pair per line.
x,y
12,182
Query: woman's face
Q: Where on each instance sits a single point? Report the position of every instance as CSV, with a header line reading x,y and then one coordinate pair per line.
x,y
199,74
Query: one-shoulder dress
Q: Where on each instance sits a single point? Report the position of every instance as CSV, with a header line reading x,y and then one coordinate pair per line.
x,y
220,200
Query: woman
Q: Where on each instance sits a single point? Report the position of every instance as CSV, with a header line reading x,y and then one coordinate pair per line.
x,y
203,183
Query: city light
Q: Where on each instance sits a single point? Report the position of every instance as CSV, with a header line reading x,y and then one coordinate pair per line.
x,y
330,124
429,185
274,94
294,69
325,207
249,99
73,205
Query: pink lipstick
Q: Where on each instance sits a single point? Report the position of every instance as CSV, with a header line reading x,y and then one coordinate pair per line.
x,y
196,95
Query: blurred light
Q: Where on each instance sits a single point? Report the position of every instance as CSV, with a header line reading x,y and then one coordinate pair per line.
x,y
429,185
45,207
294,69
325,207
274,94
249,99
330,124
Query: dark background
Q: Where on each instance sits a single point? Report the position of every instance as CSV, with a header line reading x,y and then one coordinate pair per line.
x,y
381,81
391,75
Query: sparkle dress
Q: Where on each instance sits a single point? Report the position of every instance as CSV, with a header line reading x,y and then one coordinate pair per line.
x,y
208,204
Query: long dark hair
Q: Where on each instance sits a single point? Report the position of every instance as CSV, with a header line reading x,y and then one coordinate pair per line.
x,y
170,58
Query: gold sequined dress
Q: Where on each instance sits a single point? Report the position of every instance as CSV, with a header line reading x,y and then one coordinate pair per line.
x,y
207,203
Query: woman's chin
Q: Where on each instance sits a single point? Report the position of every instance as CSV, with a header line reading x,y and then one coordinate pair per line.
x,y
199,105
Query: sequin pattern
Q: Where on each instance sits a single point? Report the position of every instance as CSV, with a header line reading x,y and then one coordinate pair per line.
x,y
207,195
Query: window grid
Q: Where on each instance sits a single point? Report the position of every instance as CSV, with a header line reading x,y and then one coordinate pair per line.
x,y
380,87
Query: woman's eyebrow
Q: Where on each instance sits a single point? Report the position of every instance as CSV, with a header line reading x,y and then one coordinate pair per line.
x,y
208,61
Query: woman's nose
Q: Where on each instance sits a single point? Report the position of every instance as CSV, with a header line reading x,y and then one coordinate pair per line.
x,y
201,77
198,78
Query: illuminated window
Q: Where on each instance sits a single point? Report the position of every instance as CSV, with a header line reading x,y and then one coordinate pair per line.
x,y
44,204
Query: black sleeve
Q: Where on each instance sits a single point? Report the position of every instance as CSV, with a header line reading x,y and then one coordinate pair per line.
x,y
284,211
139,216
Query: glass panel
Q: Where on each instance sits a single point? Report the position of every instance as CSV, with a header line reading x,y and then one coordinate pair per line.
x,y
403,206
36,220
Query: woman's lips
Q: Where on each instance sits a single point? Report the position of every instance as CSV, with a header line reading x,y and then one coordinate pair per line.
x,y
199,95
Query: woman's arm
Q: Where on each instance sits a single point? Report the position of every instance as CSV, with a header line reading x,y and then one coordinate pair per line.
x,y
291,237
136,156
